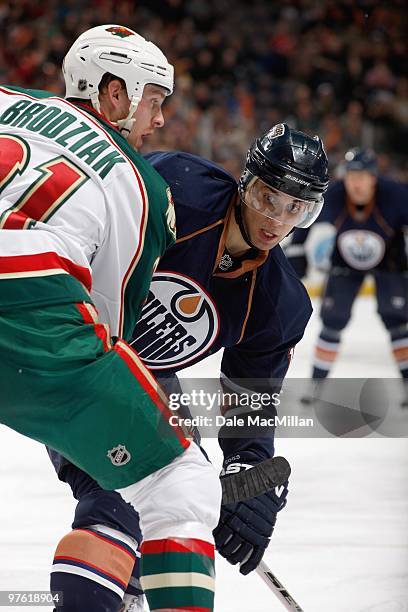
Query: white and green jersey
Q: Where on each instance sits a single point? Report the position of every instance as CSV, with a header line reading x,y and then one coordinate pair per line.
x,y
76,199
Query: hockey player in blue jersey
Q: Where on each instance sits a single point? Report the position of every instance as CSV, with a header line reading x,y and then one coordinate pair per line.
x,y
369,213
225,284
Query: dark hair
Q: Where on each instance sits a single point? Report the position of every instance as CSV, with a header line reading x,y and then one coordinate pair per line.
x,y
108,78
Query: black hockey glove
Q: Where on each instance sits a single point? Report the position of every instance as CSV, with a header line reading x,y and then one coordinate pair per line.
x,y
243,532
296,256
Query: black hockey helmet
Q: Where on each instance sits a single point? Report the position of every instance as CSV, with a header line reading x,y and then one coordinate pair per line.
x,y
360,159
289,161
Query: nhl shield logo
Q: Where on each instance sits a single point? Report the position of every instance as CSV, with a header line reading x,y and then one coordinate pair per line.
x,y
119,455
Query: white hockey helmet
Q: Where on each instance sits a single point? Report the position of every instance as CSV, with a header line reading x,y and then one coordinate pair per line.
x,y
122,53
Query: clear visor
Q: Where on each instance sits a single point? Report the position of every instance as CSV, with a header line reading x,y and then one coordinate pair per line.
x,y
280,206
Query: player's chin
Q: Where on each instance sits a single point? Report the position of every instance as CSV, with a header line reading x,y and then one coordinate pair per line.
x,y
145,137
135,141
266,240
141,139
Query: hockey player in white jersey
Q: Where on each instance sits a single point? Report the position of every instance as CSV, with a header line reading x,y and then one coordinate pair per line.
x,y
83,221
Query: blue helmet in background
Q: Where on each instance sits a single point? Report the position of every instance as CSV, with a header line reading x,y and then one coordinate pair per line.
x,y
360,160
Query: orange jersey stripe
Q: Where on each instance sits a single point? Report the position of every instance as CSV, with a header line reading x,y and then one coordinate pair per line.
x,y
85,547
401,353
325,354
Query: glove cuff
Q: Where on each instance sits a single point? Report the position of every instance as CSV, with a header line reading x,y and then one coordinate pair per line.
x,y
240,461
261,445
247,451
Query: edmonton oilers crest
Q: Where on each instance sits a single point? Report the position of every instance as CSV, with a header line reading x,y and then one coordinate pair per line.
x,y
361,249
179,322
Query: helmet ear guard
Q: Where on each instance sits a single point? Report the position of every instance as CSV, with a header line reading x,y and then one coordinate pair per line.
x,y
291,162
121,52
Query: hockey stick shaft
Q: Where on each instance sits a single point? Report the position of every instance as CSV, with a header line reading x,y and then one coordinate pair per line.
x,y
277,588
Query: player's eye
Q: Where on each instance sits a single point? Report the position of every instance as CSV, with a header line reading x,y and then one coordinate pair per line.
x,y
295,207
269,198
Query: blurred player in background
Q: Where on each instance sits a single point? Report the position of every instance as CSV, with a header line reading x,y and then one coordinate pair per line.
x,y
225,284
84,220
369,214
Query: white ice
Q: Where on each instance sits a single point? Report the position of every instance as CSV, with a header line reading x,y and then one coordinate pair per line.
x,y
341,545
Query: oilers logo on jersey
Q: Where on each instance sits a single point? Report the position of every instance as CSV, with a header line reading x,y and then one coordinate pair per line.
x,y
178,323
361,249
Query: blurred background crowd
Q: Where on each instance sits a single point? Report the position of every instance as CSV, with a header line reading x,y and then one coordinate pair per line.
x,y
335,67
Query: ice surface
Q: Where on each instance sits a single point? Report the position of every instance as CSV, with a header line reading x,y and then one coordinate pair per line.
x,y
341,545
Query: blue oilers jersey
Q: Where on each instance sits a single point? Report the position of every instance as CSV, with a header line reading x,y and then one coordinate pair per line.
x,y
198,304
367,237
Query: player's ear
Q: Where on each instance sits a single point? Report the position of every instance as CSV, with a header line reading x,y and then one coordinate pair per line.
x,y
113,98
115,91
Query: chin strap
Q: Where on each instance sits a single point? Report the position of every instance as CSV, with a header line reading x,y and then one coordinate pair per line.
x,y
241,225
95,101
124,125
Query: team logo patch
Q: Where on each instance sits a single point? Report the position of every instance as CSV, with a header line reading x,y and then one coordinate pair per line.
x,y
120,31
225,262
277,131
119,455
179,322
361,249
